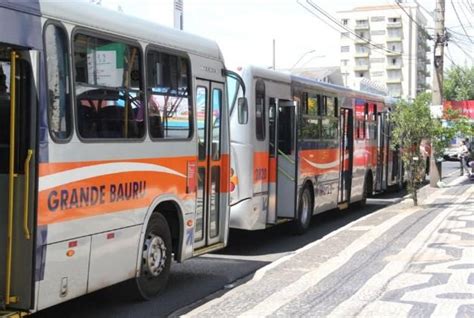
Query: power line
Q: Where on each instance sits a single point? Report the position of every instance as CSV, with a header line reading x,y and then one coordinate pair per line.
x,y
411,18
465,53
469,5
448,55
335,21
466,5
457,15
461,6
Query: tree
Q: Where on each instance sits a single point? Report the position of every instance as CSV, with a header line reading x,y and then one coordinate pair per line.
x,y
412,125
453,123
459,83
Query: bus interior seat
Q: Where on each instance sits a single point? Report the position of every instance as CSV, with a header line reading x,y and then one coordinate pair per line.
x,y
111,120
87,121
156,126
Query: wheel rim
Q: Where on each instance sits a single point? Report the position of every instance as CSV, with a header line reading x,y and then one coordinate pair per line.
x,y
154,255
305,207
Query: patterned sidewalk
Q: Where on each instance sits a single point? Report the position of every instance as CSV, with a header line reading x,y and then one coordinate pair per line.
x,y
401,261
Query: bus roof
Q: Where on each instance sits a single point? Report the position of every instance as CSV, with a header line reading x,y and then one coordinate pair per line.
x,y
99,18
332,87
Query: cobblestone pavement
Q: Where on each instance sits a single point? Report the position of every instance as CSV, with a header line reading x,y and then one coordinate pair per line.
x,y
401,261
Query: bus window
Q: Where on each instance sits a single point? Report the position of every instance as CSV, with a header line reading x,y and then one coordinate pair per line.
x,y
260,109
285,130
216,125
59,102
232,91
169,106
201,99
312,105
329,128
108,89
330,107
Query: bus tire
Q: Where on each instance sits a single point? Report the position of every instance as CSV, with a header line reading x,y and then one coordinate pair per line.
x,y
305,212
363,200
155,259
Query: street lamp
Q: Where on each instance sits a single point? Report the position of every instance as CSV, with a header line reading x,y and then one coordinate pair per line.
x,y
302,56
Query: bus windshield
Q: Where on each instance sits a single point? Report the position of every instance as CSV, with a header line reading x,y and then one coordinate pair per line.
x,y
234,83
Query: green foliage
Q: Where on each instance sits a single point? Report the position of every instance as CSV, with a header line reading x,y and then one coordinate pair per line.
x,y
455,124
458,83
412,125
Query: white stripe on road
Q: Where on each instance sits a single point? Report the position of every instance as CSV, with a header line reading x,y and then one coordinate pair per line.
x,y
312,278
262,271
377,284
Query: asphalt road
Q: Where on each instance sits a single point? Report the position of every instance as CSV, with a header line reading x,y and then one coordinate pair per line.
x,y
198,278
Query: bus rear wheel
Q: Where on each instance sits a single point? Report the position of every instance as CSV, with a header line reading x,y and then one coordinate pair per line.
x,y
155,258
305,212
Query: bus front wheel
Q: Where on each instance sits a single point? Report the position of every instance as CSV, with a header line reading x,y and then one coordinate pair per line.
x,y
155,258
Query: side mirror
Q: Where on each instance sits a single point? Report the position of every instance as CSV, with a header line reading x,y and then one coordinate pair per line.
x,y
243,110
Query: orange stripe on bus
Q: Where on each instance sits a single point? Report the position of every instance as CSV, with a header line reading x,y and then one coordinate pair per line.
x,y
65,200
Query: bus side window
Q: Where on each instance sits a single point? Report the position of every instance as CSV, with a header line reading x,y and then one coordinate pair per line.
x,y
169,103
108,81
59,99
260,109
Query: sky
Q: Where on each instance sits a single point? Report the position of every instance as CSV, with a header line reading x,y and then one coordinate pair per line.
x,y
245,29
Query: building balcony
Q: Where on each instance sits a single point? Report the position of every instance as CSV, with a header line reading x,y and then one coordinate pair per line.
x,y
394,66
361,26
361,40
361,54
393,38
394,25
396,80
360,68
393,53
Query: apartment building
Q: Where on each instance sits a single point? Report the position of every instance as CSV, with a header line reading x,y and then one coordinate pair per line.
x,y
382,44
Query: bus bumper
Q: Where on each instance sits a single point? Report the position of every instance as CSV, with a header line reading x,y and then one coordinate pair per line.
x,y
247,215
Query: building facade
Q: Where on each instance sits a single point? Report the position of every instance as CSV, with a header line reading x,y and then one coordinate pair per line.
x,y
382,44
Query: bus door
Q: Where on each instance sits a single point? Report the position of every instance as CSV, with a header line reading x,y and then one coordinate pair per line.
x,y
18,129
272,161
382,152
346,153
286,159
211,201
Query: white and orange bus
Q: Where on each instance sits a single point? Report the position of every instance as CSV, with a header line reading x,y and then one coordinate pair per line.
x,y
114,151
300,147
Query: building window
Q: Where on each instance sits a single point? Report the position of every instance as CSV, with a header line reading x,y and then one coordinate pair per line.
x,y
169,104
362,49
344,34
59,94
393,20
345,21
345,48
344,62
108,85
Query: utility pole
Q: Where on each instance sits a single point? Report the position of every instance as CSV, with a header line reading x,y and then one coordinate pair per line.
x,y
274,61
437,90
